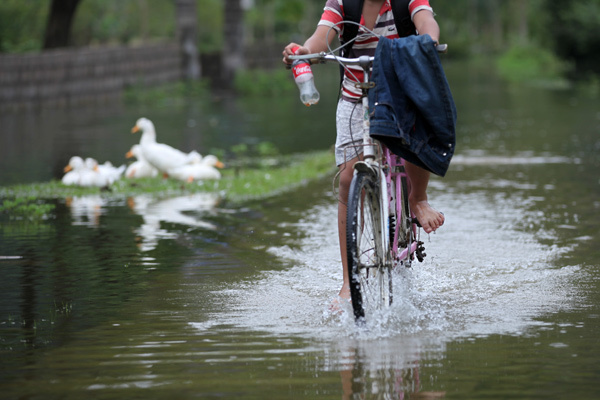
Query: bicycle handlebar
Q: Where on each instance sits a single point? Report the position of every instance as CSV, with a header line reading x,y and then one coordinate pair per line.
x,y
322,57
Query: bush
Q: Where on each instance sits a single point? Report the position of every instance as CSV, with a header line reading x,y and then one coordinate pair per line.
x,y
531,63
22,25
257,82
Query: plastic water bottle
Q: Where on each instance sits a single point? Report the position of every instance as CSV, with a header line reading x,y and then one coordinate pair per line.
x,y
303,76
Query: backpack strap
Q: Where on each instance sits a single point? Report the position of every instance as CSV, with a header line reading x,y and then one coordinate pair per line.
x,y
353,12
402,19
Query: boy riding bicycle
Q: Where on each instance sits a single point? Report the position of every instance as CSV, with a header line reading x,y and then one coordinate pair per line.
x,y
377,16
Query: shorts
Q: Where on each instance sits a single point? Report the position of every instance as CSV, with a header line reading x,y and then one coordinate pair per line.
x,y
349,126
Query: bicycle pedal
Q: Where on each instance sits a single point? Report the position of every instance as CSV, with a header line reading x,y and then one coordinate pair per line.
x,y
416,222
421,251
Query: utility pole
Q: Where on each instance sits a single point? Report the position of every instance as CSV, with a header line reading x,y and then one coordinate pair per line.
x,y
233,50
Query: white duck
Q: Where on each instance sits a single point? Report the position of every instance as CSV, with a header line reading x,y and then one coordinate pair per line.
x,y
163,157
81,173
193,157
111,172
104,175
140,168
73,171
206,168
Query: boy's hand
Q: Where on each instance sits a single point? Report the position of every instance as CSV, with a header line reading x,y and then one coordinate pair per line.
x,y
289,51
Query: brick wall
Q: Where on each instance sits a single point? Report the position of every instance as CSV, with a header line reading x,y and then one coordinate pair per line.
x,y
72,76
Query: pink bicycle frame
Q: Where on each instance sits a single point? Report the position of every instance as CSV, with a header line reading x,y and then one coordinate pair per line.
x,y
396,173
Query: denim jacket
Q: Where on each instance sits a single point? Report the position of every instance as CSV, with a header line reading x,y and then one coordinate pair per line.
x,y
412,109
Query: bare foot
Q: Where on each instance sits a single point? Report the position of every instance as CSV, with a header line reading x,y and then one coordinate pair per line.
x,y
342,297
344,292
429,218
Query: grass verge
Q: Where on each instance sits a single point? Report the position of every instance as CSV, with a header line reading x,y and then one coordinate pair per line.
x,y
239,183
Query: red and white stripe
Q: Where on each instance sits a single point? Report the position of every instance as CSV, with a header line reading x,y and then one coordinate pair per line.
x,y
333,13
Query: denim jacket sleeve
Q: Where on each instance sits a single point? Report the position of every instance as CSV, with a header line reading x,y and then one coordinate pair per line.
x,y
412,109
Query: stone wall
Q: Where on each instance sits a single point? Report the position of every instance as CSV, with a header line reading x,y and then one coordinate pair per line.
x,y
74,76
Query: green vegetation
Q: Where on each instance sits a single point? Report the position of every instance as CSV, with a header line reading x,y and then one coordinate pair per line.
x,y
531,63
243,154
257,82
166,94
22,25
573,29
210,25
565,30
122,21
257,183
26,206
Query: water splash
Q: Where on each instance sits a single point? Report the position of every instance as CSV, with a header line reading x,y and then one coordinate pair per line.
x,y
482,276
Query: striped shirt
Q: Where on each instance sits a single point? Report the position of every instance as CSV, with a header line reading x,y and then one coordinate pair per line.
x,y
333,14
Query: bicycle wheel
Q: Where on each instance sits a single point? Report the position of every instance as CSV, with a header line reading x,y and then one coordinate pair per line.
x,y
369,268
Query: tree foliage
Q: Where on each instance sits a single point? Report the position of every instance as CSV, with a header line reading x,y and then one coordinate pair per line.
x,y
566,28
123,21
22,25
575,26
210,25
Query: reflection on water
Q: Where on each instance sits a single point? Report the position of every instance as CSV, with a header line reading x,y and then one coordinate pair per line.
x,y
169,211
86,210
180,210
363,380
480,157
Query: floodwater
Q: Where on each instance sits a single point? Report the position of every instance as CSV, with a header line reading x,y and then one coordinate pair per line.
x,y
195,297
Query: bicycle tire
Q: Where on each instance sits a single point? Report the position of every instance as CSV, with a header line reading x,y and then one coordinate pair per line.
x,y
369,266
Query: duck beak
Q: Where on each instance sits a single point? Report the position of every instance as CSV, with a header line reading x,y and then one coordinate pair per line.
x,y
129,154
67,169
135,129
220,164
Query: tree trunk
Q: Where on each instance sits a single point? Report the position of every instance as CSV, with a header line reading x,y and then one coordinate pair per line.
x,y
495,17
233,49
523,28
473,18
60,20
187,30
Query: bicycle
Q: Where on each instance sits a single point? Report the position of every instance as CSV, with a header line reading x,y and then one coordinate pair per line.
x,y
381,232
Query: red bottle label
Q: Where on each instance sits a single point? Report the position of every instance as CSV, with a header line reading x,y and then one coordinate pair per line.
x,y
301,69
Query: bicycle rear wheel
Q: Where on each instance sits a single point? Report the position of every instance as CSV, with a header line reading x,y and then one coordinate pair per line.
x,y
369,268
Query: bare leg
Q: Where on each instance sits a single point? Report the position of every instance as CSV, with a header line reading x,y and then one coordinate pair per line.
x,y
346,174
429,218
